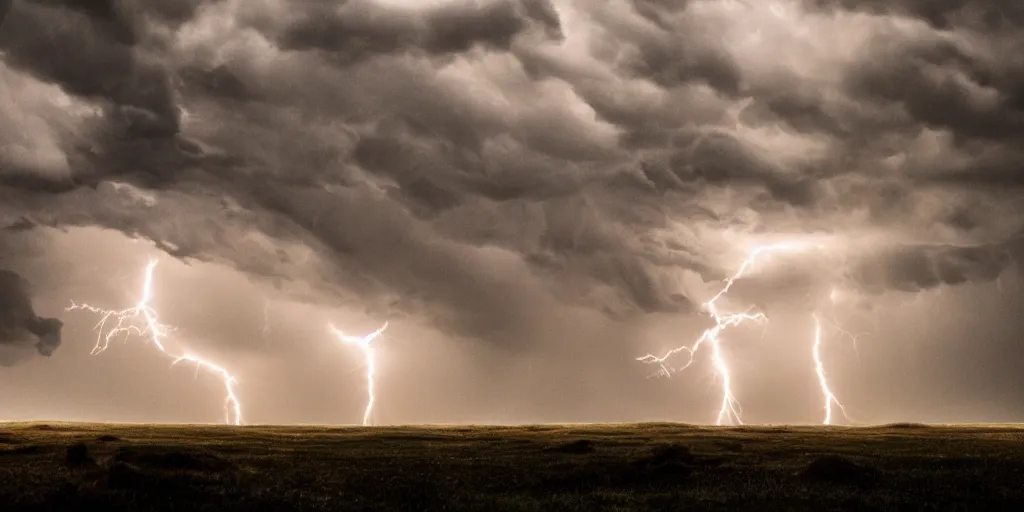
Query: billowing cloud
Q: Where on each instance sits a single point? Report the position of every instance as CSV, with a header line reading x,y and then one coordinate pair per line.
x,y
916,268
99,55
19,324
987,14
359,29
492,165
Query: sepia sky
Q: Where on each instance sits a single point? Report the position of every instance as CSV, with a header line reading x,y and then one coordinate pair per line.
x,y
534,193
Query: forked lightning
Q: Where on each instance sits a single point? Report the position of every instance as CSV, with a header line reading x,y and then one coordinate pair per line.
x,y
369,358
126,322
729,411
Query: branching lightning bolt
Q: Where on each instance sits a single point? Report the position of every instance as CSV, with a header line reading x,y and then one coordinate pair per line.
x,y
125,324
836,324
369,357
730,411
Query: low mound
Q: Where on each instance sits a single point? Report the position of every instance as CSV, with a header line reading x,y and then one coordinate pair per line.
x,y
575,447
78,456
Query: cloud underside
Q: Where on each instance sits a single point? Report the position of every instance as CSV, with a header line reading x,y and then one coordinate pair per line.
x,y
487,162
20,327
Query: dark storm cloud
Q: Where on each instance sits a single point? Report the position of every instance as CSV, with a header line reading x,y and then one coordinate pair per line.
x,y
91,50
943,14
672,63
22,224
118,18
916,268
724,160
18,320
174,13
942,89
936,85
124,18
363,28
218,82
672,52
452,157
5,8
965,82
990,168
392,250
796,108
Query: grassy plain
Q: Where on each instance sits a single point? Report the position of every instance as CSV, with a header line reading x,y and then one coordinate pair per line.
x,y
634,468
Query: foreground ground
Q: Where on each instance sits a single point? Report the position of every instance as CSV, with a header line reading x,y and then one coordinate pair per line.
x,y
565,468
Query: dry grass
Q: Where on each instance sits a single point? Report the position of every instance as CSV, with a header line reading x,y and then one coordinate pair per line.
x,y
568,468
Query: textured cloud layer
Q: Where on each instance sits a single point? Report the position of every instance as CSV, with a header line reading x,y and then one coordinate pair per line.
x,y
491,165
19,324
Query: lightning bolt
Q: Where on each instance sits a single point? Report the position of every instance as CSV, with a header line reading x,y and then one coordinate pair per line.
x,y
836,324
729,411
125,322
819,370
369,358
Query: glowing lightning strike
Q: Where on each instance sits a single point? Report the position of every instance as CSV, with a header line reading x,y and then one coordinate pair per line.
x,y
364,344
729,411
156,332
819,369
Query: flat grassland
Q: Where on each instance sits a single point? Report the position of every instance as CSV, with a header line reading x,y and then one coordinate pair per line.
x,y
632,468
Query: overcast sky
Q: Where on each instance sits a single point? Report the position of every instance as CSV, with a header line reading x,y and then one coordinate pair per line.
x,y
534,193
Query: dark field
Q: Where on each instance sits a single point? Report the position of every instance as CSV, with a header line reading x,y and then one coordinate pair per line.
x,y
558,468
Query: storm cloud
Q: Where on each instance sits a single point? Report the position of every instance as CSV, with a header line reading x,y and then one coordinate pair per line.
x,y
311,120
501,168
19,324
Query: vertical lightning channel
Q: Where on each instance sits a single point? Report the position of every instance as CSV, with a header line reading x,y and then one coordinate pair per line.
x,y
819,365
126,323
369,359
819,370
729,411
